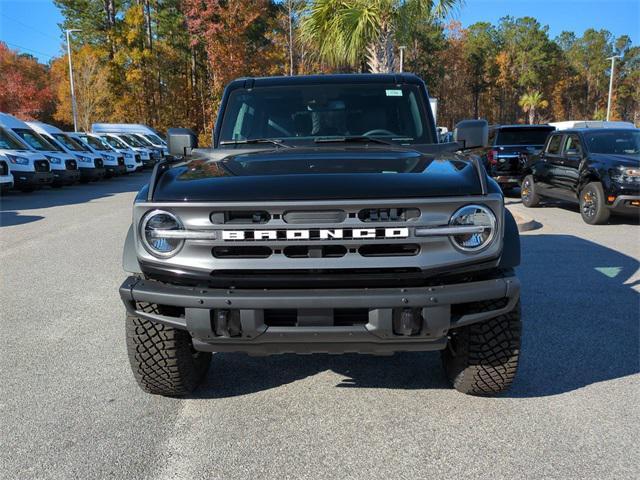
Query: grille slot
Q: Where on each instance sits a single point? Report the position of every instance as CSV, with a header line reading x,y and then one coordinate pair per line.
x,y
321,216
71,164
240,217
315,251
281,317
388,214
389,250
41,166
249,251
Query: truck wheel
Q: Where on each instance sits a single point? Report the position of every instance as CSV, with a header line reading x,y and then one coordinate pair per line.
x,y
482,358
163,359
592,207
528,194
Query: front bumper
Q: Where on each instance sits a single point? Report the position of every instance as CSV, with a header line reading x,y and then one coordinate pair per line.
x,y
626,204
65,177
92,173
6,183
31,179
315,329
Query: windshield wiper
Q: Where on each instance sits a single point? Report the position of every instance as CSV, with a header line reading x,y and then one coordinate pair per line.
x,y
248,141
352,138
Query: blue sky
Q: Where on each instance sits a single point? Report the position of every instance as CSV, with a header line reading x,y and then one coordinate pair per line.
x,y
31,26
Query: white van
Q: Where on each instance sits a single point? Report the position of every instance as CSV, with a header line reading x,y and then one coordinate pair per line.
x,y
6,179
30,170
131,158
566,125
141,131
148,156
113,161
91,165
63,166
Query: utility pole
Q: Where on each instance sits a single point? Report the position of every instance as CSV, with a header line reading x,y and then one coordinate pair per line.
x,y
401,48
613,66
290,5
73,93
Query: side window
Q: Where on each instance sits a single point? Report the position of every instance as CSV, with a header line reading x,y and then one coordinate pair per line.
x,y
553,147
572,146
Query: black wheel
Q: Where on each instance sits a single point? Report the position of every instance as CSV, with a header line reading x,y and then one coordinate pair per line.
x,y
528,194
482,358
163,359
592,206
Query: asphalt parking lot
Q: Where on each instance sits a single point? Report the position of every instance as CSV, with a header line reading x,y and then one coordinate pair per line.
x,y
69,407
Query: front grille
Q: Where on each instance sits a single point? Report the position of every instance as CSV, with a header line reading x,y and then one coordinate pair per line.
x,y
4,168
70,165
137,157
120,160
41,166
98,163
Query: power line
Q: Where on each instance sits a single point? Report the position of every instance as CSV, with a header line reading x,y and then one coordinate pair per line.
x,y
29,49
29,26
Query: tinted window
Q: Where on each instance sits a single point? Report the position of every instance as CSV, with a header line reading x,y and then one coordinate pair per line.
x,y
36,141
131,140
572,146
94,142
115,143
70,143
625,142
304,112
554,144
523,136
7,142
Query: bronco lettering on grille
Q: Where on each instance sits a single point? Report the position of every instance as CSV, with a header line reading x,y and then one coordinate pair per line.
x,y
316,234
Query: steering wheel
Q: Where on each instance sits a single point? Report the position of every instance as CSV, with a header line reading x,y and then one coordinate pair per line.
x,y
378,131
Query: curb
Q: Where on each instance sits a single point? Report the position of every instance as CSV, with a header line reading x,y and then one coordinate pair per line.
x,y
525,223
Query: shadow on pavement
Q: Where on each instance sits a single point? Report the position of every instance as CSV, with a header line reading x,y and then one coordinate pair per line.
x,y
13,204
580,328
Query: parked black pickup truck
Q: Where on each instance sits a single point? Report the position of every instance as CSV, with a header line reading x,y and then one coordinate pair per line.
x,y
508,150
326,219
598,168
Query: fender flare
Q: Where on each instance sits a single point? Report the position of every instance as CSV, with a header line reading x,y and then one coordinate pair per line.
x,y
511,245
129,256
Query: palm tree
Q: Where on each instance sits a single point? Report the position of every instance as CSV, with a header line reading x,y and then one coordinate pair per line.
x,y
347,32
531,102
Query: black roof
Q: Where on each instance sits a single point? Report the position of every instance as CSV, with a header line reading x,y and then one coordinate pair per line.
x,y
520,125
592,130
397,78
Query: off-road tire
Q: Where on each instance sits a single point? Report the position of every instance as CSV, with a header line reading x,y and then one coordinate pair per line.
x,y
528,194
482,358
163,359
592,206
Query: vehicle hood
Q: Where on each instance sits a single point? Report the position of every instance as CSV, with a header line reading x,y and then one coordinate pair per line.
x,y
317,174
615,160
30,154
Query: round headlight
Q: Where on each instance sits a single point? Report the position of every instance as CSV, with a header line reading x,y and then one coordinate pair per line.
x,y
473,216
154,231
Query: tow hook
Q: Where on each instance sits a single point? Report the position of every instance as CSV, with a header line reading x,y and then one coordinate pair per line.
x,y
227,323
407,321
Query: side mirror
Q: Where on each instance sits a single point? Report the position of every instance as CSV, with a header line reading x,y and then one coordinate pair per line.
x,y
472,134
181,141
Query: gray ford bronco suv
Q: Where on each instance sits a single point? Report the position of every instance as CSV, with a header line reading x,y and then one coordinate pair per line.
x,y
325,219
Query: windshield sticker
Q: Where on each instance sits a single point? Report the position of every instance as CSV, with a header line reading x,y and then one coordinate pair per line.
x,y
394,93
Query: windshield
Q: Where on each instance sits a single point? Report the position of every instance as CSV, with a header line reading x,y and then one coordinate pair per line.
x,y
36,141
7,142
131,140
140,138
94,143
70,143
523,136
623,142
306,112
154,139
115,143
